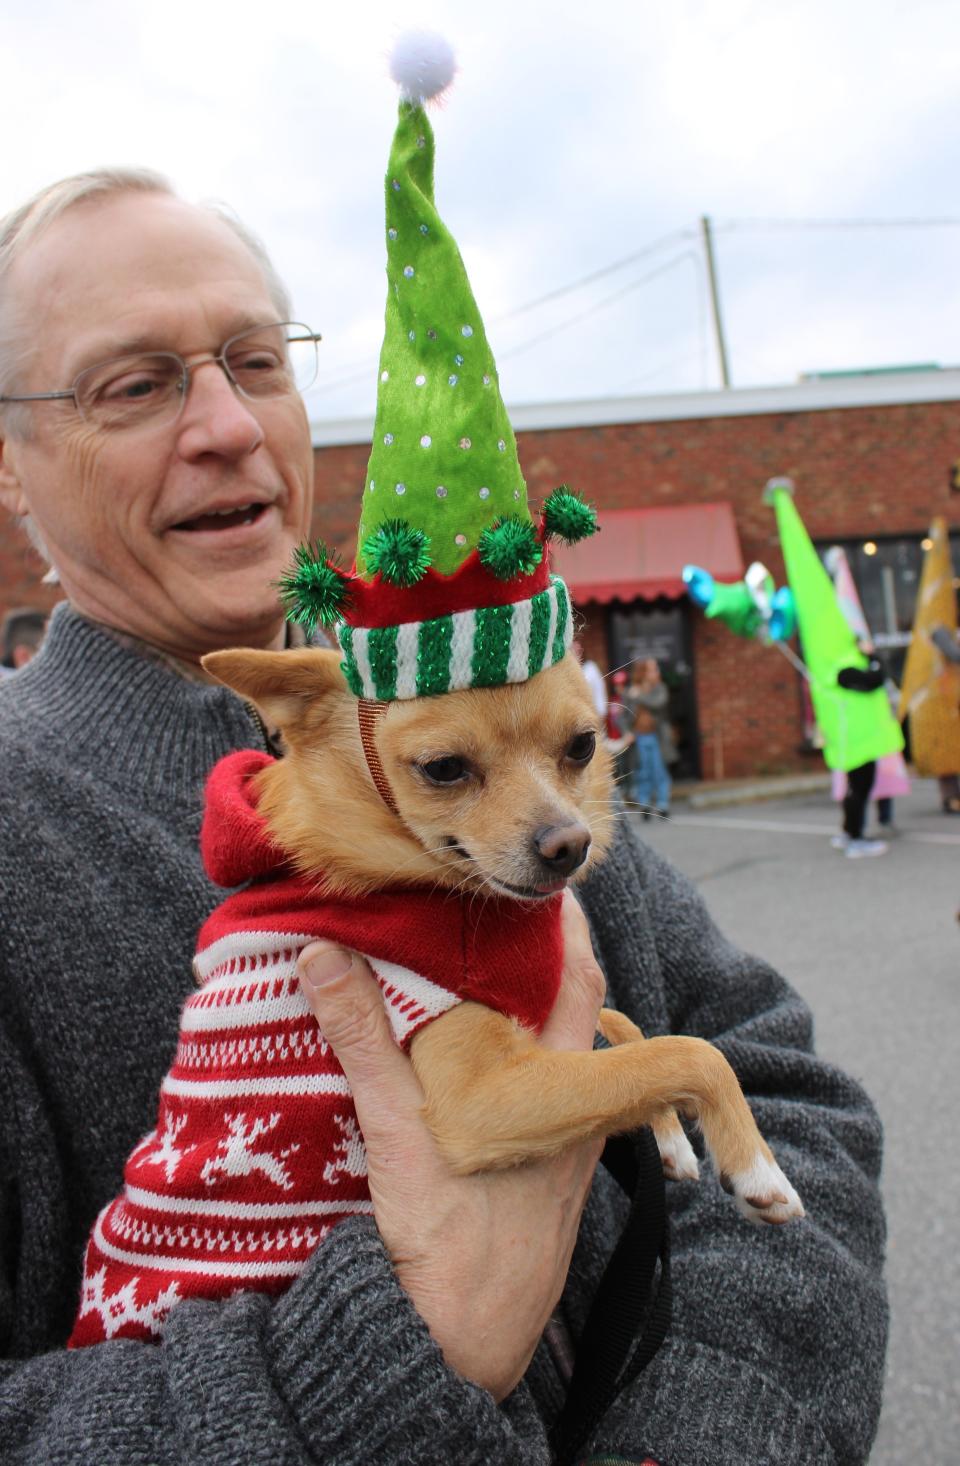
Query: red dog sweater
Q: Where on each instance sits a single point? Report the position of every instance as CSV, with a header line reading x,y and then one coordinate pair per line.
x,y
256,1152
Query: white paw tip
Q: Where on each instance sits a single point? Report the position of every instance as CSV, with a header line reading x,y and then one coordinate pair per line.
x,y
678,1157
763,1194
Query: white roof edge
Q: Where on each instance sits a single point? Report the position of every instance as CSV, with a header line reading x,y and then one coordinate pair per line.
x,y
887,390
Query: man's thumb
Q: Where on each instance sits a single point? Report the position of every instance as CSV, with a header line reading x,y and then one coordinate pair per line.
x,y
320,964
346,1000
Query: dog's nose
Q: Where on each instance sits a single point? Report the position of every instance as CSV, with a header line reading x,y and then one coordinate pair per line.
x,y
563,848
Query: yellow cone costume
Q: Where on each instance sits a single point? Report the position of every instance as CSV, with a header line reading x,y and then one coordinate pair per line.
x,y
930,692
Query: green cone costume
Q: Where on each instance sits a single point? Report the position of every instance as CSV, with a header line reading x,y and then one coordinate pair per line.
x,y
451,586
857,727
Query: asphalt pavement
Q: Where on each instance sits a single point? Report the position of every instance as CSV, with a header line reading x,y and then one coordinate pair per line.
x,y
874,947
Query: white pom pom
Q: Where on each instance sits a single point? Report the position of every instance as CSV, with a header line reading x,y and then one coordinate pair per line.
x,y
422,64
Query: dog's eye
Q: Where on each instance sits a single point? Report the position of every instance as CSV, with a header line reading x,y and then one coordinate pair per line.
x,y
442,771
581,749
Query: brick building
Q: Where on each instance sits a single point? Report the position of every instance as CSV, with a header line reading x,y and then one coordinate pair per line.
x,y
679,479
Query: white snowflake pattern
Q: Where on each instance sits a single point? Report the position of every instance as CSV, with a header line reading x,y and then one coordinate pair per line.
x,y
236,1157
167,1153
120,1308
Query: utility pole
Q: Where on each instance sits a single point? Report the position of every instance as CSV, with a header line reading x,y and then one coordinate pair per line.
x,y
715,299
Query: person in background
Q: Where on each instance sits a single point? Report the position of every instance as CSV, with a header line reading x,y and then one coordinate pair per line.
x,y
891,780
646,699
152,431
860,781
615,705
20,636
619,732
885,814
949,784
595,680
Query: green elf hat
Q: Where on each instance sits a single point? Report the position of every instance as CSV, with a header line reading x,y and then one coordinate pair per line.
x,y
451,587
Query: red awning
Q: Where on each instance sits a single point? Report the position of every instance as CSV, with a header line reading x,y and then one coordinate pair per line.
x,y
641,552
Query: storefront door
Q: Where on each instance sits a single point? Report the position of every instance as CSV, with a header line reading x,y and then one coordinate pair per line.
x,y
662,630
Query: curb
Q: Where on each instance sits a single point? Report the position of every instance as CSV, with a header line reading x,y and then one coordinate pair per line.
x,y
753,791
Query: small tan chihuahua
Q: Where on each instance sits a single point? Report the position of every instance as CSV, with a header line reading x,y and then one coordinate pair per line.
x,y
436,840
501,790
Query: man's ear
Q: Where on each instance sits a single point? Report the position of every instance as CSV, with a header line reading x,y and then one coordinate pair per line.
x,y
284,685
11,494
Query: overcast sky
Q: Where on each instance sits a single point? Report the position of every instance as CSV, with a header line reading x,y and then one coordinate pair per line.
x,y
576,136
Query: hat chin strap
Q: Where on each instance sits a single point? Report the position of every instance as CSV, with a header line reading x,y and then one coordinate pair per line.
x,y
369,714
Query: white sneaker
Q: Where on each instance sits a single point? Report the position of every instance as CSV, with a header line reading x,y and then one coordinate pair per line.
x,y
856,849
841,841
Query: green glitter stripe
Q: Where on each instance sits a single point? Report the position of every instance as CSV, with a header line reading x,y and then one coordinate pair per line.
x,y
539,627
433,656
382,651
349,666
491,646
563,615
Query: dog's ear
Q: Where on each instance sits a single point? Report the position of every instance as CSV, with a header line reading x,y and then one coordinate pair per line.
x,y
284,685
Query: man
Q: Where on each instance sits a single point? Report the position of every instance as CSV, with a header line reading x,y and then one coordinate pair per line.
x,y
169,496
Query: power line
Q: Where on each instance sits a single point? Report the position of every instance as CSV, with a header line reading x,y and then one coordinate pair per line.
x,y
582,281
701,354
364,370
665,366
598,306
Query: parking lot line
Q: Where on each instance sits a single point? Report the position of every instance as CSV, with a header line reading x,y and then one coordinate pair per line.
x,y
784,827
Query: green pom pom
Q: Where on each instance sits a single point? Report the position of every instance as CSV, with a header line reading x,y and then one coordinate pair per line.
x,y
567,517
399,553
510,548
315,590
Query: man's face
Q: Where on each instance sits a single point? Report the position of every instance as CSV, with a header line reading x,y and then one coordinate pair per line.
x,y
133,519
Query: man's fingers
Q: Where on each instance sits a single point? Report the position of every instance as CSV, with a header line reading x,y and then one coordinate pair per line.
x,y
346,1000
573,1022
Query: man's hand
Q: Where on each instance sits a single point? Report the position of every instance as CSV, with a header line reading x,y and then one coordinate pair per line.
x,y
484,1258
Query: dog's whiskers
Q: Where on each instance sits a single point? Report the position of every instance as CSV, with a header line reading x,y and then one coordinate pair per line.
x,y
487,891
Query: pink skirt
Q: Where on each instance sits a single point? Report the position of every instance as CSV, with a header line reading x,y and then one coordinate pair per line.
x,y
892,779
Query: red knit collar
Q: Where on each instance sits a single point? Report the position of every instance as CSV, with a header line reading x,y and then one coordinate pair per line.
x,y
234,841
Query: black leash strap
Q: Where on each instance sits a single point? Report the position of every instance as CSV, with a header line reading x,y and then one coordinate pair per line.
x,y
630,1313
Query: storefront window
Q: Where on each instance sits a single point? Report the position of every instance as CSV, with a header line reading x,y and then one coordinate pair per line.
x,y
887,574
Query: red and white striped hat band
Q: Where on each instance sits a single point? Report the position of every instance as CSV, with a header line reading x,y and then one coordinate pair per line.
x,y
482,647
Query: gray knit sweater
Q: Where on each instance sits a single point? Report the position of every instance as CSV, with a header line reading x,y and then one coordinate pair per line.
x,y
776,1349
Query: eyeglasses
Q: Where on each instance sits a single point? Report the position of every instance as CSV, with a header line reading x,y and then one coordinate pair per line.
x,y
151,387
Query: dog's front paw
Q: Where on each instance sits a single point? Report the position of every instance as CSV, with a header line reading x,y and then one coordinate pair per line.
x,y
676,1153
763,1193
